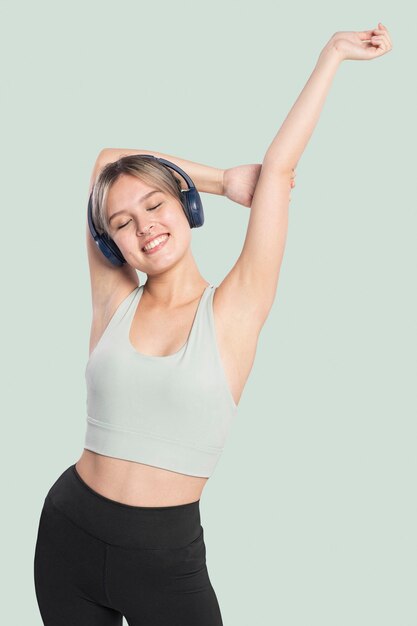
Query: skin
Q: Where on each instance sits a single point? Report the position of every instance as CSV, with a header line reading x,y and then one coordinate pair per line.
x,y
243,299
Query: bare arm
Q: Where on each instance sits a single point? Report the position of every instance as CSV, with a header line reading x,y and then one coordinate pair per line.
x,y
252,282
294,134
206,178
259,263
297,128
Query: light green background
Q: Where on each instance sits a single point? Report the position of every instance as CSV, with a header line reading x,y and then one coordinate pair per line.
x,y
310,516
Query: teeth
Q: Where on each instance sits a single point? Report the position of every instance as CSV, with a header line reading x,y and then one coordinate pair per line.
x,y
155,242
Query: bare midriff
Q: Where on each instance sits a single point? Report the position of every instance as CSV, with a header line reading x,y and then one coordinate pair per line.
x,y
135,483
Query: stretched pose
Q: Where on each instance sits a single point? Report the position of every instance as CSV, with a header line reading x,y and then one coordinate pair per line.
x,y
120,531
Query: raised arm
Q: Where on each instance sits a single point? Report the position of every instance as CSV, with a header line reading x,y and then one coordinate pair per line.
x,y
206,178
251,284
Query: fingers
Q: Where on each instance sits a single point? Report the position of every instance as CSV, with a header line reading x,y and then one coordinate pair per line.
x,y
382,27
382,42
383,32
372,36
381,38
365,35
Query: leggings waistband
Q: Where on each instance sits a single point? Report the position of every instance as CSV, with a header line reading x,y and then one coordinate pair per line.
x,y
121,524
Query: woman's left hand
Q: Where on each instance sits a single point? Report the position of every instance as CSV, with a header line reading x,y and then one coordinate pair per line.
x,y
362,45
239,183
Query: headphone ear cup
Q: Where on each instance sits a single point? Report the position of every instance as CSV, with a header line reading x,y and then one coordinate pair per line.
x,y
104,243
110,250
193,207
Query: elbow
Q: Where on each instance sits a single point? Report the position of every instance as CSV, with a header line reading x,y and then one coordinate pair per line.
x,y
277,170
280,166
103,154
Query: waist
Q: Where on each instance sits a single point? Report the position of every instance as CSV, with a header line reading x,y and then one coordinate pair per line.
x,y
135,483
121,524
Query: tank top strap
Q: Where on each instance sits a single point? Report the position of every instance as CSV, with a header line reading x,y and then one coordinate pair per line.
x,y
120,312
201,328
124,311
126,308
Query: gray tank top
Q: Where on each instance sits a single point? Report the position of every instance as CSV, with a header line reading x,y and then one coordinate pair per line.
x,y
173,412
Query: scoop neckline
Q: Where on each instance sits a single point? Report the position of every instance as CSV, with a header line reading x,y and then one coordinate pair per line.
x,y
159,357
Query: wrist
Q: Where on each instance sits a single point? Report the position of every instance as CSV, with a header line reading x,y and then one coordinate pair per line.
x,y
220,182
208,179
331,53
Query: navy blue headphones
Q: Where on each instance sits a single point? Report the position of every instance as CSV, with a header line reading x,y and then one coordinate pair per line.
x,y
192,205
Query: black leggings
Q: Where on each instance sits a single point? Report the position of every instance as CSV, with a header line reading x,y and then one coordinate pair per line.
x,y
97,560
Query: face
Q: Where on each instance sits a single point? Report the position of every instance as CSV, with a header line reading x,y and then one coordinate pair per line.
x,y
137,213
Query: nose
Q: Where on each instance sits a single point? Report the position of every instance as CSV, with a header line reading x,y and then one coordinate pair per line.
x,y
145,231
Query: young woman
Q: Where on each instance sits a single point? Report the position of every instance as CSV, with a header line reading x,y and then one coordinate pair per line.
x,y
120,531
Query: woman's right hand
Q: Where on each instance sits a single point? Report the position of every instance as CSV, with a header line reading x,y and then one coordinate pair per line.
x,y
362,45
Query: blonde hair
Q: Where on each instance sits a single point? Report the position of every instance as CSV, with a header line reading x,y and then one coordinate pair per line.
x,y
148,170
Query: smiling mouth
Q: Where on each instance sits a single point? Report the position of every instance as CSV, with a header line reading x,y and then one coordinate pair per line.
x,y
159,245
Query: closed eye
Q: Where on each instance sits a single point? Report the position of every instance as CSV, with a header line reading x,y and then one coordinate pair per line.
x,y
151,209
123,225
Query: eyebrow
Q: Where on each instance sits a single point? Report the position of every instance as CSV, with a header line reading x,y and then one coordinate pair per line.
x,y
150,193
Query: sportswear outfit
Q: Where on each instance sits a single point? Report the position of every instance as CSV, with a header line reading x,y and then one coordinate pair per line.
x,y
97,559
